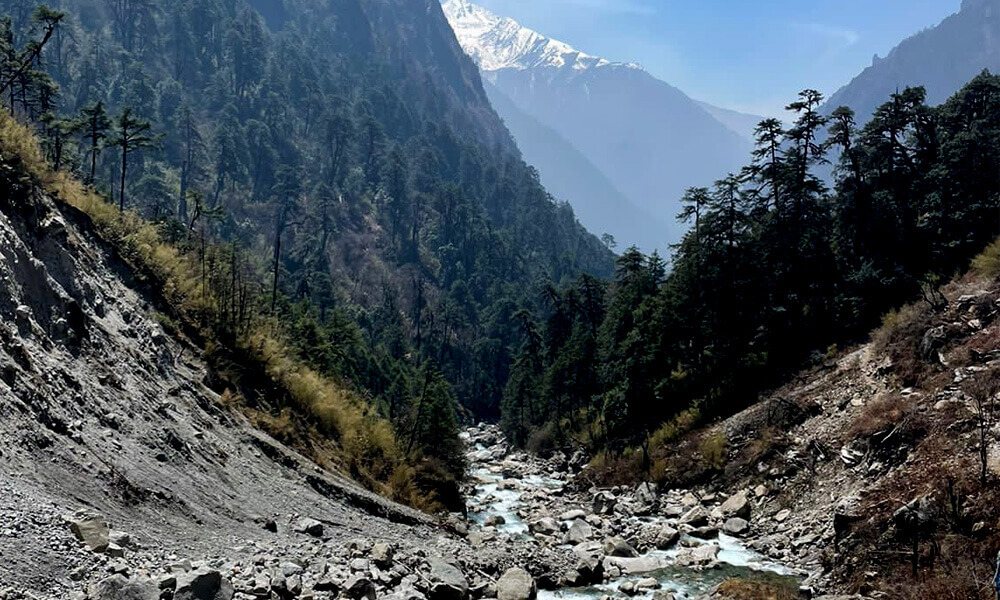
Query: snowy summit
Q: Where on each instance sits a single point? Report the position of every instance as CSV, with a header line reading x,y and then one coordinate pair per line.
x,y
498,43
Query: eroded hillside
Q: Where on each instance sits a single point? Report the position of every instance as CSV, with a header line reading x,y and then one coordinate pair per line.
x,y
104,413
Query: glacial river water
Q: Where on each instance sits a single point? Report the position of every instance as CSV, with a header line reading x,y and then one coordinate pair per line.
x,y
735,559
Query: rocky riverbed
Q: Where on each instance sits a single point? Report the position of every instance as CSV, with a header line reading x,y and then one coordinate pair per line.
x,y
621,542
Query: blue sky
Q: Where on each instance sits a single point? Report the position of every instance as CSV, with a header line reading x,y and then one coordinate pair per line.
x,y
749,55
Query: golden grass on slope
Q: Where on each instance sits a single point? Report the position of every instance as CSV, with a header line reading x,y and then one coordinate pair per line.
x,y
987,264
361,443
759,587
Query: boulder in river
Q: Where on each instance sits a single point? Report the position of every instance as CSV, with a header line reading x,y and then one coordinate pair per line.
x,y
699,557
696,517
590,565
666,537
616,546
516,584
635,565
736,526
544,526
494,521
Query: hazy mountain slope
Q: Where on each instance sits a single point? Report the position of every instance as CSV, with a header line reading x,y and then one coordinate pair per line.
x,y
570,177
647,137
942,59
742,123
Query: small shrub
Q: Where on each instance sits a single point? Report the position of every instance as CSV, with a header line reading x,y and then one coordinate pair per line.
x,y
673,430
987,264
878,415
759,587
542,441
714,451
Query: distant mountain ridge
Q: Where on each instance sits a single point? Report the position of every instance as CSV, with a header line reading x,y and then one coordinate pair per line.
x,y
649,139
942,58
569,175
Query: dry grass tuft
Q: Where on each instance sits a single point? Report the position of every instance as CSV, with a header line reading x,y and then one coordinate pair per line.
x,y
987,264
761,587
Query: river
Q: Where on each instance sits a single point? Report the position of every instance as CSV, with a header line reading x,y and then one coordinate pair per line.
x,y
510,491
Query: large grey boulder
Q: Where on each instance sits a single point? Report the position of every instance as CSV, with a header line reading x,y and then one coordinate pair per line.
x,y
359,587
736,526
696,517
544,526
666,537
590,565
447,582
203,584
118,587
635,564
309,527
516,584
93,532
645,493
572,515
579,531
698,557
738,505
405,593
382,554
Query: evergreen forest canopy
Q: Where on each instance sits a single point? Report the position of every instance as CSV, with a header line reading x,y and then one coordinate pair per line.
x,y
375,210
775,269
371,202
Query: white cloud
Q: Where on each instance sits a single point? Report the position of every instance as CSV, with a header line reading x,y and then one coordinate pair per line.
x,y
836,39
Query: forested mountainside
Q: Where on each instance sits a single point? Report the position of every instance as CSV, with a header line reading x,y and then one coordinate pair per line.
x,y
344,152
941,59
775,271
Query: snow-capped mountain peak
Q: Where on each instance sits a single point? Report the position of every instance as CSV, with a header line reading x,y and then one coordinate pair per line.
x,y
497,43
